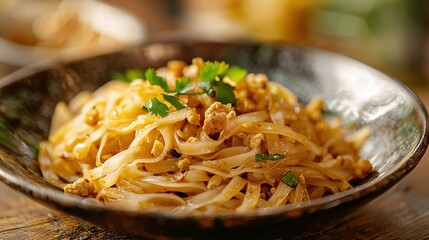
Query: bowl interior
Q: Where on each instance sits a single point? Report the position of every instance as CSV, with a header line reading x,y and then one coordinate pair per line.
x,y
359,94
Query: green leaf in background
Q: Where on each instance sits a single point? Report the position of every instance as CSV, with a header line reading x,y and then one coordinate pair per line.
x,y
128,76
133,74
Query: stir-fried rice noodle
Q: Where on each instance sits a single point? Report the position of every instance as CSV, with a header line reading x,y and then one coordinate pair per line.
x,y
203,157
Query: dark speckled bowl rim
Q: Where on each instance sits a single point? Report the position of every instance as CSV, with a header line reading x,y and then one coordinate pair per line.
x,y
377,187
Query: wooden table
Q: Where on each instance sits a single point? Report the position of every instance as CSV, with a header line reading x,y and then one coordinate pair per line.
x,y
400,213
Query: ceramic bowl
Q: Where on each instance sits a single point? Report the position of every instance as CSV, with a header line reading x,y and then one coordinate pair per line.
x,y
358,93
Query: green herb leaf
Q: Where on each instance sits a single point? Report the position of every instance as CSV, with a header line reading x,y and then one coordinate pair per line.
x,y
190,87
222,68
210,70
273,157
207,88
175,153
290,179
154,79
174,101
235,73
225,93
187,88
181,84
156,107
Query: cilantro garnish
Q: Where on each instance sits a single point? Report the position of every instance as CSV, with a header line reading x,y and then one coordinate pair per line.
x,y
210,70
290,179
175,153
181,84
211,74
207,88
224,93
154,79
273,157
174,101
156,107
236,73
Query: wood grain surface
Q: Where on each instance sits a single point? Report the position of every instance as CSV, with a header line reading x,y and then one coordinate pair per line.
x,y
400,213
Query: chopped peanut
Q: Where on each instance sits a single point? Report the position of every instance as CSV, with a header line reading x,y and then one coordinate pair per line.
x,y
363,168
81,187
216,118
253,140
157,148
199,62
245,105
92,117
184,163
176,67
257,81
193,118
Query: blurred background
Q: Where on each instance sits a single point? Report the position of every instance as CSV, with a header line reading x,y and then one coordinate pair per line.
x,y
391,35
